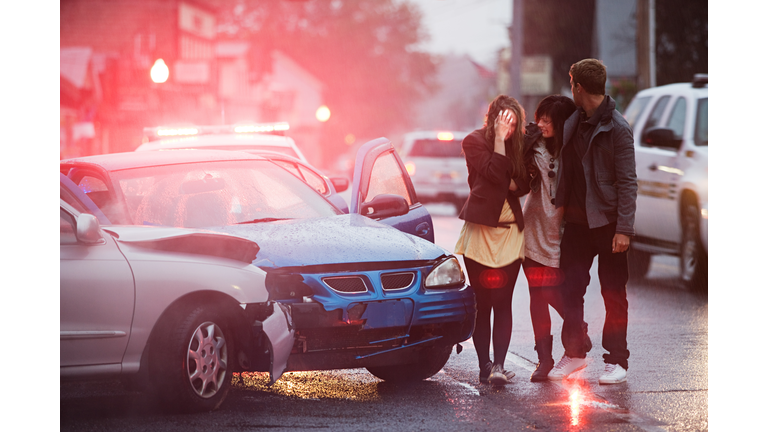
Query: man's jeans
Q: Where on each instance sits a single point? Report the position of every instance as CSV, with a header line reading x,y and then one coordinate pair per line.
x,y
578,249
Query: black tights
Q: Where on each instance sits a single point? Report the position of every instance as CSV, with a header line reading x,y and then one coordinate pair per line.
x,y
493,291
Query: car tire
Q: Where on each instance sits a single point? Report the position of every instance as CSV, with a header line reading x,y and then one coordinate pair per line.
x,y
639,263
693,258
193,362
431,360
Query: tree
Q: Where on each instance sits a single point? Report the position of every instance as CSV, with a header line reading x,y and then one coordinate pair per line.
x,y
362,50
681,40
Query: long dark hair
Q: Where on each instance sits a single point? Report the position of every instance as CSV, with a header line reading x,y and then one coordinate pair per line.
x,y
558,108
515,141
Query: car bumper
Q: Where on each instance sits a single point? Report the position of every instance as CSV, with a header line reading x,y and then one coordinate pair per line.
x,y
377,327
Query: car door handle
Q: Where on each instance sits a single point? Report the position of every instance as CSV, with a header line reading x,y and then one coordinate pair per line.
x,y
653,167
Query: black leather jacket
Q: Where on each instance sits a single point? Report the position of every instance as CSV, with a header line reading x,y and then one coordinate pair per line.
x,y
489,177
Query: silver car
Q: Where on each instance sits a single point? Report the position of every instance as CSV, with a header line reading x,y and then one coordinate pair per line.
x,y
169,310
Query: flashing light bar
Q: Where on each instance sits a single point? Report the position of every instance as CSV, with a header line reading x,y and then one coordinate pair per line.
x,y
154,133
445,136
177,132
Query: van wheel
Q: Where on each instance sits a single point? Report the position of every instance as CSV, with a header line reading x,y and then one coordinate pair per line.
x,y
639,263
693,259
430,362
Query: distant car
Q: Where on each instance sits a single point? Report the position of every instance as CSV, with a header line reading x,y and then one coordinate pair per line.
x,y
670,126
436,166
170,310
360,293
281,150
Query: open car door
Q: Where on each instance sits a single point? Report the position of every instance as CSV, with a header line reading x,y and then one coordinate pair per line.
x,y
382,190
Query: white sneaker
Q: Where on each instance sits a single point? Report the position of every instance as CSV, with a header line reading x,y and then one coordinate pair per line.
x,y
614,374
565,367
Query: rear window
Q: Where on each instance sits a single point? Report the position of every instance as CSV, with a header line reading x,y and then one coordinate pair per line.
x,y
435,148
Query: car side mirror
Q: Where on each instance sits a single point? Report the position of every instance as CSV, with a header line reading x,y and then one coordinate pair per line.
x,y
384,206
661,137
88,229
340,183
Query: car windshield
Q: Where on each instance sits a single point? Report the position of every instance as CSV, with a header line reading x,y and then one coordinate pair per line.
x,y
701,135
219,193
436,148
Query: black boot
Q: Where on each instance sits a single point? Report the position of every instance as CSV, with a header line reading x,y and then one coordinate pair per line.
x,y
546,363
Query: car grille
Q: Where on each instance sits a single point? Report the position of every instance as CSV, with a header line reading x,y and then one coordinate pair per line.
x,y
396,281
346,284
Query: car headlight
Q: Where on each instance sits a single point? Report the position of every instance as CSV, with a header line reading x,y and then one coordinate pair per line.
x,y
446,274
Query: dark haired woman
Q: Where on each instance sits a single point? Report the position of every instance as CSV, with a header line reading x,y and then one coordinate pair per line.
x,y
491,239
544,139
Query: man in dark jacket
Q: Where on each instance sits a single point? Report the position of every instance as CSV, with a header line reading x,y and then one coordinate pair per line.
x,y
598,188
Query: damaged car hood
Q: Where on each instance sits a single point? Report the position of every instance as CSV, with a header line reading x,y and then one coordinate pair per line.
x,y
183,240
349,238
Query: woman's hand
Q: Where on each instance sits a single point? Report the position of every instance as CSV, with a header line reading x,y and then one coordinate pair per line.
x,y
505,124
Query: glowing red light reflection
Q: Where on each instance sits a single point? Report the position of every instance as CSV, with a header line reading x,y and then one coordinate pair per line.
x,y
493,278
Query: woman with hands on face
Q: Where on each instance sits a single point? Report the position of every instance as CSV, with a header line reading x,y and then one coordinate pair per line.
x,y
491,240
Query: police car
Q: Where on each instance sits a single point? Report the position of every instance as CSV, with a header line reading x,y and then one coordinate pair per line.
x,y
670,126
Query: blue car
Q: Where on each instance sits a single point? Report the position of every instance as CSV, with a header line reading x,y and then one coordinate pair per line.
x,y
365,289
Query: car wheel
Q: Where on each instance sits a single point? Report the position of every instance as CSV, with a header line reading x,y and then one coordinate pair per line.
x,y
693,259
193,365
639,263
430,362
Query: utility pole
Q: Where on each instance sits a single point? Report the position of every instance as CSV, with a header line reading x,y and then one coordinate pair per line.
x,y
646,44
516,43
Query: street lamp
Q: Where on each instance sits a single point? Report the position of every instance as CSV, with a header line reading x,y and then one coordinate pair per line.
x,y
159,72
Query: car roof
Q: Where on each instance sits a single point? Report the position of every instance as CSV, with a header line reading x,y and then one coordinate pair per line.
x,y
128,160
676,89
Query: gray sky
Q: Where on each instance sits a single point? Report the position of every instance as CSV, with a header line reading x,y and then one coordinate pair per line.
x,y
474,27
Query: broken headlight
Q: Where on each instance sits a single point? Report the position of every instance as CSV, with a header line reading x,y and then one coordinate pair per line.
x,y
446,274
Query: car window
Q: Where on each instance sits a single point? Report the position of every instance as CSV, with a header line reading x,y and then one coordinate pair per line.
x,y
676,120
67,228
389,178
291,167
701,133
217,193
635,108
658,110
314,180
435,148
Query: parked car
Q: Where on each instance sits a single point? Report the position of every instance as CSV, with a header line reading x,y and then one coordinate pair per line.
x,y
280,149
670,126
436,166
360,292
169,310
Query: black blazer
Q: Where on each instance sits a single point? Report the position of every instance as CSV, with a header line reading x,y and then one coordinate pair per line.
x,y
489,177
